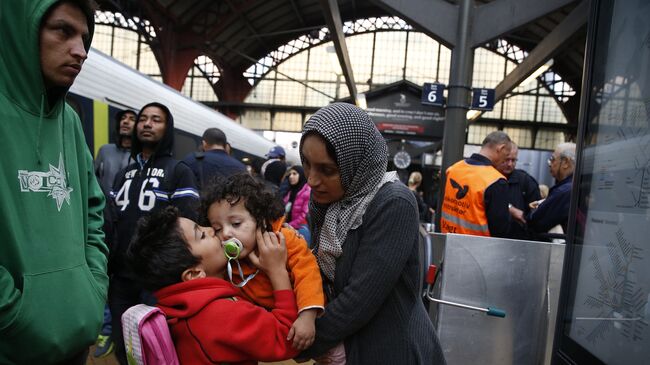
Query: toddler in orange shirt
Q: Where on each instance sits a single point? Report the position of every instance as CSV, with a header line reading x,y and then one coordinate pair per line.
x,y
235,208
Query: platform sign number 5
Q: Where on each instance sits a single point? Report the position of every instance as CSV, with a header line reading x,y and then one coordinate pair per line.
x,y
432,94
482,99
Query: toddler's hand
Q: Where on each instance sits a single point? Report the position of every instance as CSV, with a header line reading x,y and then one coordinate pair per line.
x,y
303,330
272,252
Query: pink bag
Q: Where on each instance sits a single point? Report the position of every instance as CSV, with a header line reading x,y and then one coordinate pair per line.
x,y
146,337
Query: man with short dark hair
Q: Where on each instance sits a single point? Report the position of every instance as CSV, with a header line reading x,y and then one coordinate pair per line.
x,y
214,160
475,200
522,190
52,257
152,182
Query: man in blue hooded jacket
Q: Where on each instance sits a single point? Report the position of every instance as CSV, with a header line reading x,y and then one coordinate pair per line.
x,y
152,182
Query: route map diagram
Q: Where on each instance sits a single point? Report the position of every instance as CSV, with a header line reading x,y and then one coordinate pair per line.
x,y
611,310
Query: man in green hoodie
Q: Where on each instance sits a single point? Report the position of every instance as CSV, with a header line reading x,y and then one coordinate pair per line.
x,y
52,256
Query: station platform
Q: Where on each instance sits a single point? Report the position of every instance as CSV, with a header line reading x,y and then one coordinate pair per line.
x,y
111,360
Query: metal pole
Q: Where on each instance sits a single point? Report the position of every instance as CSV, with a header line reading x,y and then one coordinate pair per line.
x,y
460,80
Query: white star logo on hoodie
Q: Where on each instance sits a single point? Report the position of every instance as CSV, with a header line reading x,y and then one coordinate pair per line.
x,y
53,182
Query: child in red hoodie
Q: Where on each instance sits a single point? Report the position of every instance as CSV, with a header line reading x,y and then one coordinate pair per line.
x,y
236,207
210,323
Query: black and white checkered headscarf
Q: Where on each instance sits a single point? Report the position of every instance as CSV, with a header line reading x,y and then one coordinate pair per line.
x,y
362,158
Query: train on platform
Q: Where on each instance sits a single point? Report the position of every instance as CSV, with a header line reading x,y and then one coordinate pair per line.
x,y
105,86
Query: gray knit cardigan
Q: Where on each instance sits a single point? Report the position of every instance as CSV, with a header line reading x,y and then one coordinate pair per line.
x,y
377,311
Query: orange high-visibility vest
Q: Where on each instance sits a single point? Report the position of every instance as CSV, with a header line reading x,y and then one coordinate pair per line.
x,y
463,207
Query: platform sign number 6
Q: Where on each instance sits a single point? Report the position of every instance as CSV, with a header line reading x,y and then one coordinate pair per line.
x,y
482,99
432,94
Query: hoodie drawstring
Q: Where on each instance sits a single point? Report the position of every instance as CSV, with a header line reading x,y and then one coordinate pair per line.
x,y
38,132
65,156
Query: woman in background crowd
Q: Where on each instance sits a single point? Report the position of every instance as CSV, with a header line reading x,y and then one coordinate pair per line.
x,y
297,201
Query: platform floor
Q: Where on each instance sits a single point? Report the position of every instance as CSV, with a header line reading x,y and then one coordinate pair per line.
x,y
111,360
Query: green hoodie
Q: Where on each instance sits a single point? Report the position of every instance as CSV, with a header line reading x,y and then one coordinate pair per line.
x,y
53,278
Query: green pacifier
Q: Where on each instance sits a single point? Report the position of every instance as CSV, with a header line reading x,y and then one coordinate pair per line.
x,y
232,248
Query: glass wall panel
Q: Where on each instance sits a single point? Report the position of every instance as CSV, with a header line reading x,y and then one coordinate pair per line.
x,y
103,38
316,99
549,111
489,68
148,64
476,133
256,119
548,139
321,65
523,137
289,92
262,93
389,57
287,121
360,49
125,47
422,59
520,107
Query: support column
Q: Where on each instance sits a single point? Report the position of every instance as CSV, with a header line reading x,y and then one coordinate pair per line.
x,y
232,87
175,62
458,96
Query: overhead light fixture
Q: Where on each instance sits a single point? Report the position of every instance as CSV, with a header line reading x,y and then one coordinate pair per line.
x,y
473,114
543,68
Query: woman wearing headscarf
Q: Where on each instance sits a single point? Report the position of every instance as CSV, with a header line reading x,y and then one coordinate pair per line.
x,y
365,237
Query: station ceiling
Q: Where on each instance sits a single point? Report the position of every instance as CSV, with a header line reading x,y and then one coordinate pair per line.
x,y
237,33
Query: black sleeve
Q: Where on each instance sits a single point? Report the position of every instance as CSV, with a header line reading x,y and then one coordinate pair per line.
x,y
423,209
496,208
376,270
532,190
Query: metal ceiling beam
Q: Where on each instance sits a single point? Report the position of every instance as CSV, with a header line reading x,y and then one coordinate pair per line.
x,y
192,12
335,26
247,23
297,11
545,50
436,18
499,17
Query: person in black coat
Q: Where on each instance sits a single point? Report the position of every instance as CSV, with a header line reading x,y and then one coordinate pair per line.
x,y
365,237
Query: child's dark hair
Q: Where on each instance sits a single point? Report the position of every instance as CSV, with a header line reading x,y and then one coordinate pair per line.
x,y
261,202
158,253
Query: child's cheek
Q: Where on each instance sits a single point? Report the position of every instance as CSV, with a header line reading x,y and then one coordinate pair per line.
x,y
248,248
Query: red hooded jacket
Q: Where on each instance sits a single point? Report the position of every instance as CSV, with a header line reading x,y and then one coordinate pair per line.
x,y
211,324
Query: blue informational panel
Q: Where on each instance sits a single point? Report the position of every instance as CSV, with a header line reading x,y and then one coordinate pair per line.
x,y
432,94
482,99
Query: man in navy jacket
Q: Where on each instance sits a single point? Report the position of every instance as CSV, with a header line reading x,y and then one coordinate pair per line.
x,y
214,160
554,209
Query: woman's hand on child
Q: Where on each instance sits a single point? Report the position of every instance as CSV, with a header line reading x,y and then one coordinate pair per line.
x,y
303,331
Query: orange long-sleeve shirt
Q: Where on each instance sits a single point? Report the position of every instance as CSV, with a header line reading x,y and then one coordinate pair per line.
x,y
303,271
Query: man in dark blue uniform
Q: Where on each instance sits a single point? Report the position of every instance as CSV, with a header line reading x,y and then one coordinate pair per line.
x,y
214,160
554,210
522,190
